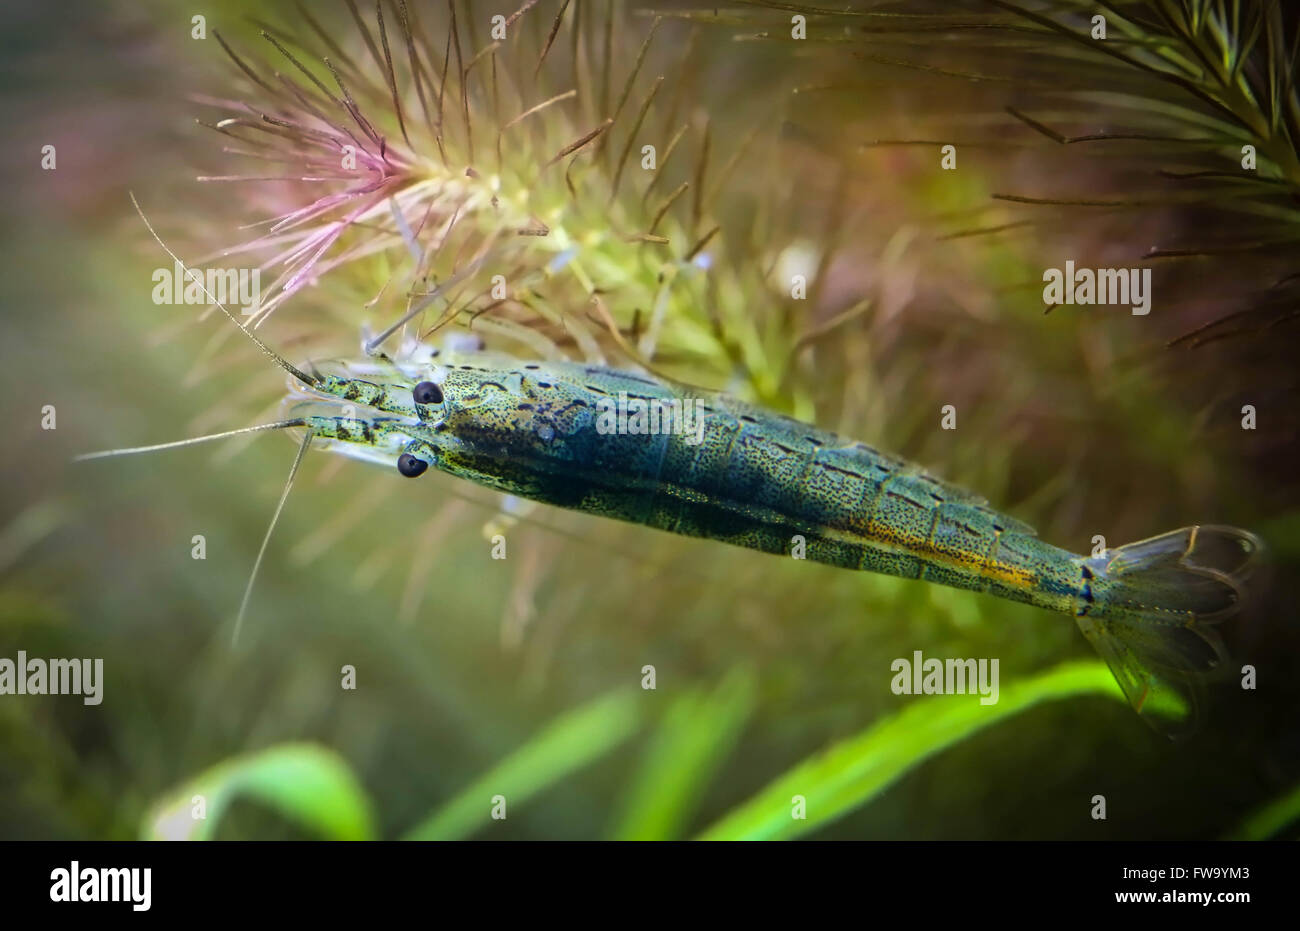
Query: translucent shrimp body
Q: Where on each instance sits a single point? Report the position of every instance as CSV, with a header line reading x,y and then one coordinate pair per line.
x,y
551,432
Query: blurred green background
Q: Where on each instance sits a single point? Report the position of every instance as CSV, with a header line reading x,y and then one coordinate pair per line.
x,y
522,677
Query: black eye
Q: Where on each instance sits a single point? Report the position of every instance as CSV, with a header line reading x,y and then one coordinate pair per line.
x,y
409,466
426,392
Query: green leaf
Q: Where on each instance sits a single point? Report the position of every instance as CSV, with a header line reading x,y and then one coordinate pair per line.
x,y
695,737
1272,819
854,771
306,783
568,743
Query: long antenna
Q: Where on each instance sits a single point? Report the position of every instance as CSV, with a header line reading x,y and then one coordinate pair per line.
x,y
275,518
104,454
279,360
428,299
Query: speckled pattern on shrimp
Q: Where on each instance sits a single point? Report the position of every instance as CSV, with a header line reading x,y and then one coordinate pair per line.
x,y
761,480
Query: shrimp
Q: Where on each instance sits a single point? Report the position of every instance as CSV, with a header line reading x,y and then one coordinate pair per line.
x,y
767,482
549,431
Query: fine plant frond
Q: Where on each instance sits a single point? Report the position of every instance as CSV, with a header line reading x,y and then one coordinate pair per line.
x,y
431,161
1170,97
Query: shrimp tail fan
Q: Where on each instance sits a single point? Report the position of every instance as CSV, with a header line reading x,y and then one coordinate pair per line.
x,y
1153,611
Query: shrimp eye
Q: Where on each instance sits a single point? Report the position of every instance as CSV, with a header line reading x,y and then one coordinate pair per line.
x,y
426,392
409,466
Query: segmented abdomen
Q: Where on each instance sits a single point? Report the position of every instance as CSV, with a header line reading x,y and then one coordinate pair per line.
x,y
754,479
